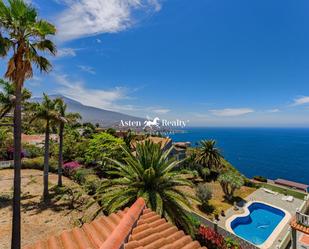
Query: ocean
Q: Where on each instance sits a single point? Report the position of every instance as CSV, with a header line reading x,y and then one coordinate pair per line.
x,y
270,152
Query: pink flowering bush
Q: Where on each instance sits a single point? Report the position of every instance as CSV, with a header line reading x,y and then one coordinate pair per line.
x,y
70,167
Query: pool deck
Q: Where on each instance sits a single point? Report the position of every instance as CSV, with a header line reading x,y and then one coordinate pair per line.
x,y
274,200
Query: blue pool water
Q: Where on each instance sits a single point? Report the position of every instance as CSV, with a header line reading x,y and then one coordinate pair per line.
x,y
259,225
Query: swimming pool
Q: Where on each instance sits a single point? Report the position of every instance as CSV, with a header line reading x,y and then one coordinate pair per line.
x,y
258,223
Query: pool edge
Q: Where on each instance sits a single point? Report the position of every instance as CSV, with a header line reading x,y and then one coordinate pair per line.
x,y
273,236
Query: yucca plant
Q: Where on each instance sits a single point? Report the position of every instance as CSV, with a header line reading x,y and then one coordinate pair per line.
x,y
151,174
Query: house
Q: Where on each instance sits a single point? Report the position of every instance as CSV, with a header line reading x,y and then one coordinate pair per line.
x,y
136,227
180,150
37,139
300,226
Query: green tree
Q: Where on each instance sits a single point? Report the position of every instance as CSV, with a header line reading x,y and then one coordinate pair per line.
x,y
230,181
208,156
7,97
128,138
102,146
204,194
6,140
149,174
22,36
74,145
47,112
63,118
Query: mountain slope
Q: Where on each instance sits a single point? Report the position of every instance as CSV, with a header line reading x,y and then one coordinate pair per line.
x,y
94,115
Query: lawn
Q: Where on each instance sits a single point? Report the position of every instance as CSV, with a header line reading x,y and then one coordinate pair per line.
x,y
218,201
283,190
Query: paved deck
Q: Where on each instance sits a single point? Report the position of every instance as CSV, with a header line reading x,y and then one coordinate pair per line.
x,y
301,244
275,200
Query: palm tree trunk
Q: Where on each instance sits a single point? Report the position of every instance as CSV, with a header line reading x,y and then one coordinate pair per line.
x,y
16,237
60,159
46,162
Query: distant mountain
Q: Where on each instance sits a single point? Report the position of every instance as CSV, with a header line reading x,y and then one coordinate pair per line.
x,y
94,115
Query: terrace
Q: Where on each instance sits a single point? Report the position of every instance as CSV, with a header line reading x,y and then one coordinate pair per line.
x,y
274,199
300,227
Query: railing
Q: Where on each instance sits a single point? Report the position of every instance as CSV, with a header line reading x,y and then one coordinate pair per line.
x,y
302,219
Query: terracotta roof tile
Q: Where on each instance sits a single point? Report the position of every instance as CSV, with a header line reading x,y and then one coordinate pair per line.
x,y
153,232
136,227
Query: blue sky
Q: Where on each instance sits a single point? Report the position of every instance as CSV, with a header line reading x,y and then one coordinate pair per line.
x,y
213,62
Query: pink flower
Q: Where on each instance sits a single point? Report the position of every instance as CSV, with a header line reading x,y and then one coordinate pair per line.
x,y
71,165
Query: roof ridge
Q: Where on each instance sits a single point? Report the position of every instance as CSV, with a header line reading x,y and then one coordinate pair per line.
x,y
120,234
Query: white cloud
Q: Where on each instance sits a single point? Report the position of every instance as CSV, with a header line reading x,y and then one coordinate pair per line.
x,y
35,81
84,18
106,99
66,52
99,40
231,112
273,110
301,101
87,69
161,111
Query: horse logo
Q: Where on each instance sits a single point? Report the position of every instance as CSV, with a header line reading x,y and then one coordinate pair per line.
x,y
153,123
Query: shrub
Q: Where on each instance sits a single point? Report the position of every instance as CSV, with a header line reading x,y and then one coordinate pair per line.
x,y
80,174
194,221
38,163
102,146
204,194
88,179
231,243
32,151
249,183
70,168
260,178
92,183
213,240
209,238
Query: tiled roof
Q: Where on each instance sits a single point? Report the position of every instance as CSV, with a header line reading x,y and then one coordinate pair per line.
x,y
153,232
300,186
136,227
37,139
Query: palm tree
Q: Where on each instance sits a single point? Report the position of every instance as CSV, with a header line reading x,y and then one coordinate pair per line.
x,y
22,36
47,112
151,175
208,155
63,118
7,97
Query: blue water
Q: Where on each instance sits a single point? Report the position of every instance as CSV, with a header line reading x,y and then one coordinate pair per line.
x,y
270,152
257,226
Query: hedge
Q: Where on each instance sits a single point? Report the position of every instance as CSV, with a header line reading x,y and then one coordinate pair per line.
x,y
38,163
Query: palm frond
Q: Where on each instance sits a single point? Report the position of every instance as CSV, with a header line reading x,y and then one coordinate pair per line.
x,y
151,175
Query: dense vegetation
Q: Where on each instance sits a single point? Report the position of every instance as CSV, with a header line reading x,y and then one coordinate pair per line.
x,y
107,166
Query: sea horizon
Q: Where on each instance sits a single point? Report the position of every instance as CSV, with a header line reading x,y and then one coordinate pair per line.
x,y
264,151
